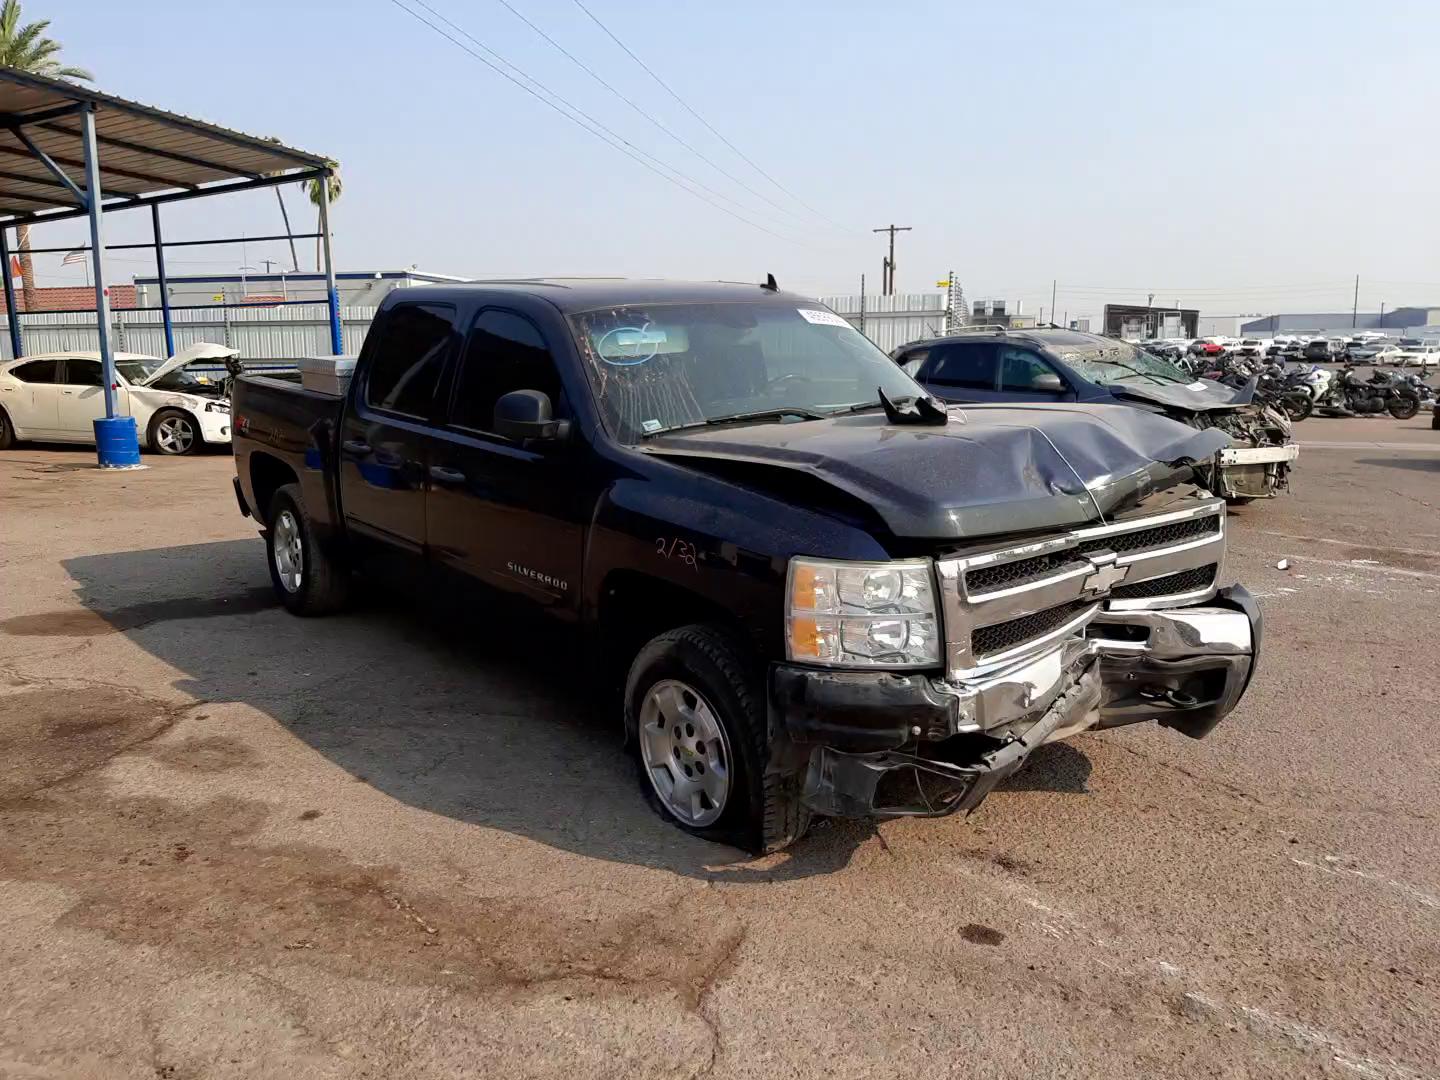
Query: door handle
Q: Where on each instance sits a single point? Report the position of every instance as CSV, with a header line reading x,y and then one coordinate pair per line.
x,y
447,476
355,446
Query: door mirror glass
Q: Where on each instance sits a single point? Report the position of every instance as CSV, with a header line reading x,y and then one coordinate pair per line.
x,y
524,415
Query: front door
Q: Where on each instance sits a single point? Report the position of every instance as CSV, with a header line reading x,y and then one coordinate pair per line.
x,y
963,371
506,514
385,433
82,399
1025,375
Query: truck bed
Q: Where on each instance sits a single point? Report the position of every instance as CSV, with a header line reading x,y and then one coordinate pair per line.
x,y
278,422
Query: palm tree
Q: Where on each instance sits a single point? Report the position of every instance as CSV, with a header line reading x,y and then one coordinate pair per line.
x,y
312,188
26,48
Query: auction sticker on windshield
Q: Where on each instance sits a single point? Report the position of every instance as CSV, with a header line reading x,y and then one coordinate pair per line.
x,y
821,318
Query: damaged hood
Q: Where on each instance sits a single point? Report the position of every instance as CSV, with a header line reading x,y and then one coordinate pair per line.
x,y
991,469
201,350
1202,395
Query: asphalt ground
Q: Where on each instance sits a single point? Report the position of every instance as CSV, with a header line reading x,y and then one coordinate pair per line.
x,y
234,843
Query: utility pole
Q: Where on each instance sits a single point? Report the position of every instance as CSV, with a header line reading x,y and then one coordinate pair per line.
x,y
1053,283
268,263
889,285
1382,314
1355,309
862,303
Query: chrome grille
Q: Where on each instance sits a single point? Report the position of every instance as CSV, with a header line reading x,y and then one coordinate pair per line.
x,y
1002,637
1021,572
1202,577
1001,606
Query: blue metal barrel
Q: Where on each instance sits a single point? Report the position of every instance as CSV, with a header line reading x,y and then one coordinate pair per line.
x,y
116,443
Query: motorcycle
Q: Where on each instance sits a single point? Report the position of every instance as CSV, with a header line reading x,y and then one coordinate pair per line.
x,y
1350,395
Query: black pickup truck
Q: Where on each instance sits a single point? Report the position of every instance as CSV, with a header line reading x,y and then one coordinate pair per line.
x,y
811,587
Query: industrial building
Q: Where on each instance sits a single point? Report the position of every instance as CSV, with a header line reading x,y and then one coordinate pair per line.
x,y
1137,322
357,288
1398,321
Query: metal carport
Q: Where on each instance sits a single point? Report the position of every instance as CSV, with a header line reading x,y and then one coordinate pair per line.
x,y
69,151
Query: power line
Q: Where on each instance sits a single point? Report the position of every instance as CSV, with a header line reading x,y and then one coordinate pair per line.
x,y
648,116
709,127
599,130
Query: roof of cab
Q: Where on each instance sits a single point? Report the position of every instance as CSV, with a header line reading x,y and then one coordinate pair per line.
x,y
587,294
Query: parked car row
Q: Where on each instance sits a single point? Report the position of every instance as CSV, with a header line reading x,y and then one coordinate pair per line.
x,y
802,583
1368,347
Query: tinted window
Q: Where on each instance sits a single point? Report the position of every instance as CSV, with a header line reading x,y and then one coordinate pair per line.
x,y
504,352
1019,368
405,365
970,366
38,371
83,373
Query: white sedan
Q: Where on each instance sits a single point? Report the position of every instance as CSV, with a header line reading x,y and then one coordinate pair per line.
x,y
57,396
1422,356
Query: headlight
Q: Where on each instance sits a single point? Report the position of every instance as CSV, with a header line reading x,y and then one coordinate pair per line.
x,y
862,614
217,406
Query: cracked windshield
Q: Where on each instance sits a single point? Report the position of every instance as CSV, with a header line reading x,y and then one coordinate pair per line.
x,y
660,367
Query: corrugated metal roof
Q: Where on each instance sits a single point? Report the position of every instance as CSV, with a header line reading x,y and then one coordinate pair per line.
x,y
142,149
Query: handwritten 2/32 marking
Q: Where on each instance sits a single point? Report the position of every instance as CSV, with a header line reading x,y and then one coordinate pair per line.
x,y
676,548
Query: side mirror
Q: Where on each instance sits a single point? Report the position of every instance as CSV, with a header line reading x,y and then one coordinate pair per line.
x,y
526,415
1048,380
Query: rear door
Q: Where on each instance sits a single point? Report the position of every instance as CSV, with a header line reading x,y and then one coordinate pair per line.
x,y
82,398
506,514
962,371
34,405
385,432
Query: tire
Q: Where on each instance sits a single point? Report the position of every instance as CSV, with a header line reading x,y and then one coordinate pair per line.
x,y
1298,406
1403,408
174,433
7,431
709,679
305,578
1435,421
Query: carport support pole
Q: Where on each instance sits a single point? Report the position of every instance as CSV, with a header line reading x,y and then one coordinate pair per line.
x,y
164,283
332,296
116,443
97,256
12,317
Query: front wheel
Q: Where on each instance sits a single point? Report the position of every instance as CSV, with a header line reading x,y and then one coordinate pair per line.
x,y
174,432
1403,408
695,711
1297,405
305,578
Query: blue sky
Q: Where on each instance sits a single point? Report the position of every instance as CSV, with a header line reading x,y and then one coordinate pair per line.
x,y
1235,157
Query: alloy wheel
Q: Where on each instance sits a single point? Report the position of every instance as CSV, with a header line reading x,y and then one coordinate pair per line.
x,y
289,551
175,434
685,752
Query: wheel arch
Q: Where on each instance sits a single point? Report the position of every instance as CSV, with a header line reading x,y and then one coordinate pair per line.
x,y
635,607
268,474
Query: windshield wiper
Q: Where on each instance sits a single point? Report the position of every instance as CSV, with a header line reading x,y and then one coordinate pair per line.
x,y
742,417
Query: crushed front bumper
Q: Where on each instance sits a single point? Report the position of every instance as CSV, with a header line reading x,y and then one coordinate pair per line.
x,y
892,745
1255,472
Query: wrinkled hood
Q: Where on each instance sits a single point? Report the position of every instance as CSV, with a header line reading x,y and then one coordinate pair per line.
x,y
993,469
1202,395
201,350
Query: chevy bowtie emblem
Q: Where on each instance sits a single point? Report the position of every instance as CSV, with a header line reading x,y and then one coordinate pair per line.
x,y
1105,574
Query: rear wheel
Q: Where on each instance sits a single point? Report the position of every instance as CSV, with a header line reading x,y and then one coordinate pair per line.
x,y
695,708
7,432
174,432
1403,408
305,578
